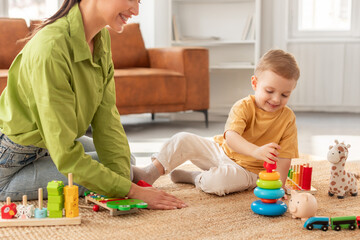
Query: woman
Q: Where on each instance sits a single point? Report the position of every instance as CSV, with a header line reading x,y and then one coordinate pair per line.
x,y
59,84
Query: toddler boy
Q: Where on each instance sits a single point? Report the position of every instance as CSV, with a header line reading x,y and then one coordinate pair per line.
x,y
259,128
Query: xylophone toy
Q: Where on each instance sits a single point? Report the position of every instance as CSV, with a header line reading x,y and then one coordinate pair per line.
x,y
269,191
52,215
299,179
116,206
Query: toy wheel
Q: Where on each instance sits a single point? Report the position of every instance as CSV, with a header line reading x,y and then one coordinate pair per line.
x,y
324,228
310,227
337,228
124,207
352,227
142,205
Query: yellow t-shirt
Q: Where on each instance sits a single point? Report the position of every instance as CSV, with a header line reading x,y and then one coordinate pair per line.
x,y
260,127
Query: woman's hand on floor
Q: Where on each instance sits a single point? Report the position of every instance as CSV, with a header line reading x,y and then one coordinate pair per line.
x,y
155,198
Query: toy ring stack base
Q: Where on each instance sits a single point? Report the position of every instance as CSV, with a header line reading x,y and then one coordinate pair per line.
x,y
269,209
269,191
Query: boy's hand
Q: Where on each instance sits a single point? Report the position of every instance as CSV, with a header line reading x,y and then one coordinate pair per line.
x,y
267,153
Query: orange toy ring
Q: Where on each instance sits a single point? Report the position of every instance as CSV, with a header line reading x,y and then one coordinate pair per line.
x,y
269,176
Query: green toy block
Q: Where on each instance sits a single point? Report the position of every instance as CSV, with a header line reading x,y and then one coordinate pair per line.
x,y
55,206
55,214
56,199
55,188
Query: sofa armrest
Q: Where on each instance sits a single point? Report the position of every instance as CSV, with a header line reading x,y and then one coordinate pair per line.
x,y
193,63
3,79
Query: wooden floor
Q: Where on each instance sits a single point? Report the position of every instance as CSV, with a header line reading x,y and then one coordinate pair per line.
x,y
316,131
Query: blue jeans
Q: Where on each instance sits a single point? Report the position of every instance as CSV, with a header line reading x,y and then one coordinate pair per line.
x,y
25,169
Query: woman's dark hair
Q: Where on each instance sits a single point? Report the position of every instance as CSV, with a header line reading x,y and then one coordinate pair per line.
x,y
64,10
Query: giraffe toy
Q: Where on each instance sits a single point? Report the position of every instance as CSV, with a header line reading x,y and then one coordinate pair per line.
x,y
341,181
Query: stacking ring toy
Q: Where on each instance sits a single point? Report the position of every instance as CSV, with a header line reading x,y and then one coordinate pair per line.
x,y
268,200
269,184
273,176
267,209
269,193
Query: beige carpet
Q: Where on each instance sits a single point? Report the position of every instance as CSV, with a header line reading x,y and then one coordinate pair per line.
x,y
207,217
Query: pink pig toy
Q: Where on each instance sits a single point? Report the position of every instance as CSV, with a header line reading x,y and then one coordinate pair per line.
x,y
302,205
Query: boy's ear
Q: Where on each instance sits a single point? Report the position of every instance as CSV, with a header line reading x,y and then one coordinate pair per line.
x,y
254,82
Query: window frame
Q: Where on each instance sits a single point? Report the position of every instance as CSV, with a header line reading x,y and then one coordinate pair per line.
x,y
295,33
4,7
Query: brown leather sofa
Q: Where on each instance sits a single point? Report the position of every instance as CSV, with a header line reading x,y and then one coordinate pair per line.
x,y
147,80
11,30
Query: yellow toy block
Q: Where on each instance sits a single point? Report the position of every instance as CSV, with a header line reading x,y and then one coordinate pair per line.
x,y
69,205
71,193
72,212
73,190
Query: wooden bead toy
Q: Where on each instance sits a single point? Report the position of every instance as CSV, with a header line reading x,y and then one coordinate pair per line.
x,y
71,193
25,211
8,211
38,217
40,212
55,199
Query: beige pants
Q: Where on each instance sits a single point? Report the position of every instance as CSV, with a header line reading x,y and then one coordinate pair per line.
x,y
221,175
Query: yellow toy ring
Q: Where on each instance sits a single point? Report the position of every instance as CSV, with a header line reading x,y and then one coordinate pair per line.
x,y
269,184
269,176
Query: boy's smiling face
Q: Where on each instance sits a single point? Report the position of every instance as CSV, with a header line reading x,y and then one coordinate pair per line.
x,y
272,91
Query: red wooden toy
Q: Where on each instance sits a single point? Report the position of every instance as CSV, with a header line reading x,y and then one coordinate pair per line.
x,y
8,211
269,166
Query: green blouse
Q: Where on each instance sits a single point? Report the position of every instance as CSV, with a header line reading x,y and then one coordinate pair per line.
x,y
55,90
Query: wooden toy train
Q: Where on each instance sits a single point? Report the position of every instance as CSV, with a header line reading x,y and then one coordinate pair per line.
x,y
335,223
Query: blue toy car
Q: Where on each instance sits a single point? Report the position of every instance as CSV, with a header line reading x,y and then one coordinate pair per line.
x,y
318,223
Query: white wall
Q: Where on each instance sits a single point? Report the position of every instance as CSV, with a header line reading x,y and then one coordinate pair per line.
x,y
330,75
154,22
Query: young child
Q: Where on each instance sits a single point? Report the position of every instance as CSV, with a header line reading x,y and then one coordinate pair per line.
x,y
259,128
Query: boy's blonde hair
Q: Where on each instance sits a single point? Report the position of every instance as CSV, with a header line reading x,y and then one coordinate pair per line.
x,y
279,62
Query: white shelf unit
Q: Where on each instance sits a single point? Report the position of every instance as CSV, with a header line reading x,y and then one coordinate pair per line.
x,y
222,26
230,29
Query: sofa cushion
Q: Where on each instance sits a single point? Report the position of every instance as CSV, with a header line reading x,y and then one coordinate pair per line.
x,y
128,48
144,86
14,29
